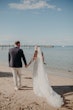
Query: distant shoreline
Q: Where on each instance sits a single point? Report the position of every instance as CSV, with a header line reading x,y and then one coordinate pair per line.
x,y
28,46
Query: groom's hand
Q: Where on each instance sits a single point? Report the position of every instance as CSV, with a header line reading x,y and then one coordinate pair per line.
x,y
26,66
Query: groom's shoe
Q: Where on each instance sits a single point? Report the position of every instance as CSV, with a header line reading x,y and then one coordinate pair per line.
x,y
16,88
20,86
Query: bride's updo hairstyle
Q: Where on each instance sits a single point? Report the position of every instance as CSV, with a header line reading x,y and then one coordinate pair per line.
x,y
35,51
36,48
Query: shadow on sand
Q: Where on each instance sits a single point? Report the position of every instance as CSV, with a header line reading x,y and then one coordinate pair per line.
x,y
63,89
5,74
26,88
66,90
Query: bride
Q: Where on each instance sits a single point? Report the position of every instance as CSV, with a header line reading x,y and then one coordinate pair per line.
x,y
41,84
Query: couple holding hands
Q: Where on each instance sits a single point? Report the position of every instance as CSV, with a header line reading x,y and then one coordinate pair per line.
x,y
41,86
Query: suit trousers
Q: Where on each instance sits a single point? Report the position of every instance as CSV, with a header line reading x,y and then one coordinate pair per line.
x,y
16,76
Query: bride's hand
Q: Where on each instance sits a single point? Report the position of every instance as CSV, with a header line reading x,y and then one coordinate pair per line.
x,y
30,62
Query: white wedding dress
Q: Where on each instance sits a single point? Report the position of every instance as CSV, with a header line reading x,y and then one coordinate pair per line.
x,y
41,85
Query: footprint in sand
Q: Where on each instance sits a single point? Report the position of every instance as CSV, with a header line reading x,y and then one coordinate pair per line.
x,y
32,106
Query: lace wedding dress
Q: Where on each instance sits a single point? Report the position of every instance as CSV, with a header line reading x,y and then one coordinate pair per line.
x,y
41,85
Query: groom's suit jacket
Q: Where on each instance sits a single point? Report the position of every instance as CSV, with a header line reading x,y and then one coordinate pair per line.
x,y
15,57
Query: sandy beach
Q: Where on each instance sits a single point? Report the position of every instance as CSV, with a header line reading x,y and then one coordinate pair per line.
x,y
25,99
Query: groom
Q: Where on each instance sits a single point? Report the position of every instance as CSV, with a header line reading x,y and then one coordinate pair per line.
x,y
15,57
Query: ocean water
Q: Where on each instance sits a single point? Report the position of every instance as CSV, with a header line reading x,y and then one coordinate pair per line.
x,y
58,57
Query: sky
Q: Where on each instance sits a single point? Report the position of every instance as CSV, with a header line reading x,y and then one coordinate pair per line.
x,y
44,22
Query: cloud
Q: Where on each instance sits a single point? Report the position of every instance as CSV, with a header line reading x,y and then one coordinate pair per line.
x,y
59,9
33,4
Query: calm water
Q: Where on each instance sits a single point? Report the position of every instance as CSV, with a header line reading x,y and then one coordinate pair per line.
x,y
56,58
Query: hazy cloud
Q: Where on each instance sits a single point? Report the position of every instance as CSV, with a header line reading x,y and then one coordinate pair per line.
x,y
33,4
59,9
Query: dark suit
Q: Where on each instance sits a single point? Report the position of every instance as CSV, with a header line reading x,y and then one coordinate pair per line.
x,y
15,57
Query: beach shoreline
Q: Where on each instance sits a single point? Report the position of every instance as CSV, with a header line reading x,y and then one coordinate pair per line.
x,y
25,99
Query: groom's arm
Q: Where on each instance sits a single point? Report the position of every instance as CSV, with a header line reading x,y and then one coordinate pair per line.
x,y
23,57
9,57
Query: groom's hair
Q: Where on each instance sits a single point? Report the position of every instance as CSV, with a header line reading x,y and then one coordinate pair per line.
x,y
17,42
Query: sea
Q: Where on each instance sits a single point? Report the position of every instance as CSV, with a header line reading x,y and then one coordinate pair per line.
x,y
57,57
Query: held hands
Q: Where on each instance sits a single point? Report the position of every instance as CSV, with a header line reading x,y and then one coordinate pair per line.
x,y
26,66
29,62
34,58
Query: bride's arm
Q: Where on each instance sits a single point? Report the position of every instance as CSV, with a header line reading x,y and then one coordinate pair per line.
x,y
34,58
30,62
43,57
